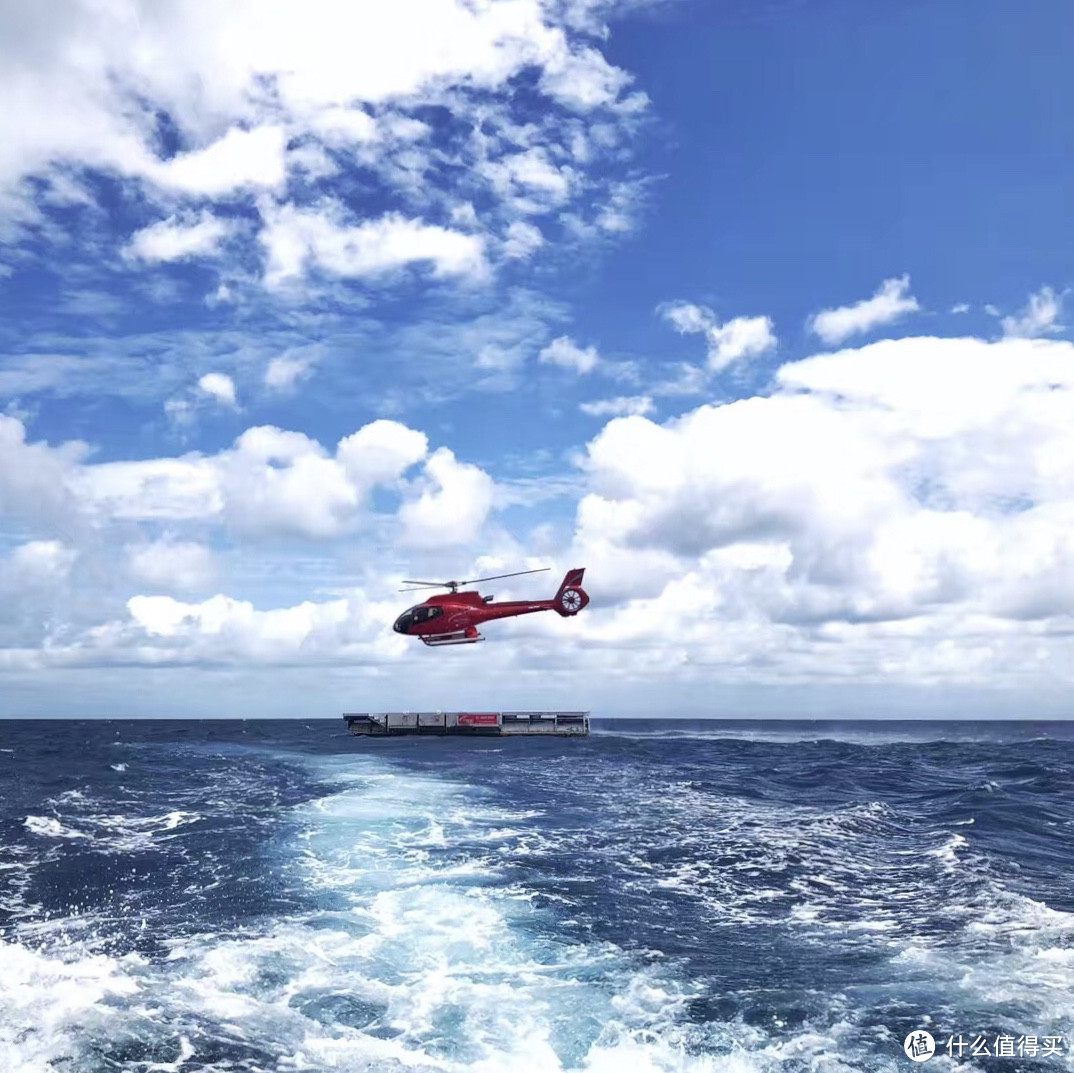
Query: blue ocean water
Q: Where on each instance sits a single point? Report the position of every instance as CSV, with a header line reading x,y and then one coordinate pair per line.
x,y
696,897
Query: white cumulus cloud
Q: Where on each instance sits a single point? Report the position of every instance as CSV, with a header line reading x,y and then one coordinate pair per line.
x,y
452,508
297,239
284,482
240,159
380,453
170,564
741,337
36,478
41,562
218,386
222,629
899,512
270,482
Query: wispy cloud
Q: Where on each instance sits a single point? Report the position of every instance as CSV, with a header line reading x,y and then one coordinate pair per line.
x,y
176,239
172,565
277,118
891,301
286,370
1039,317
567,354
621,406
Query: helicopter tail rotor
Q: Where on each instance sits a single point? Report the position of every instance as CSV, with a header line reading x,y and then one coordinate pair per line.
x,y
571,597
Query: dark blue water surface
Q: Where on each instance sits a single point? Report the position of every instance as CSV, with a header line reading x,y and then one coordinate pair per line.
x,y
697,897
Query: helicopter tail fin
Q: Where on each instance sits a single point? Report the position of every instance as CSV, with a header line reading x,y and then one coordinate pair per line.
x,y
571,597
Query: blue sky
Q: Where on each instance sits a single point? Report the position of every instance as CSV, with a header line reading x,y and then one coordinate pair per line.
x,y
756,310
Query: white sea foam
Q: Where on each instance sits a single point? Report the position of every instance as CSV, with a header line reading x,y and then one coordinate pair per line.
x,y
50,827
174,819
427,960
110,832
948,853
47,1000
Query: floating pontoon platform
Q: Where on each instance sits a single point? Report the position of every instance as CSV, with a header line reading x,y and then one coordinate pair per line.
x,y
468,724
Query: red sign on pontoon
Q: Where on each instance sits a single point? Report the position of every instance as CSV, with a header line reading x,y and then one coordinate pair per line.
x,y
479,719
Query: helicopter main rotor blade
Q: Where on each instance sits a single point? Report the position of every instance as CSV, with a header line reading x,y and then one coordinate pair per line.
x,y
496,577
454,585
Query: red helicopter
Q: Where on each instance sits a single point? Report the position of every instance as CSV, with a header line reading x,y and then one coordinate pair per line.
x,y
453,618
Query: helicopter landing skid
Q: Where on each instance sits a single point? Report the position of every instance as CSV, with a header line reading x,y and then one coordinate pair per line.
x,y
461,637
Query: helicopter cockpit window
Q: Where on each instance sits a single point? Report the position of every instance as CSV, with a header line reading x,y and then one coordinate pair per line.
x,y
424,614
